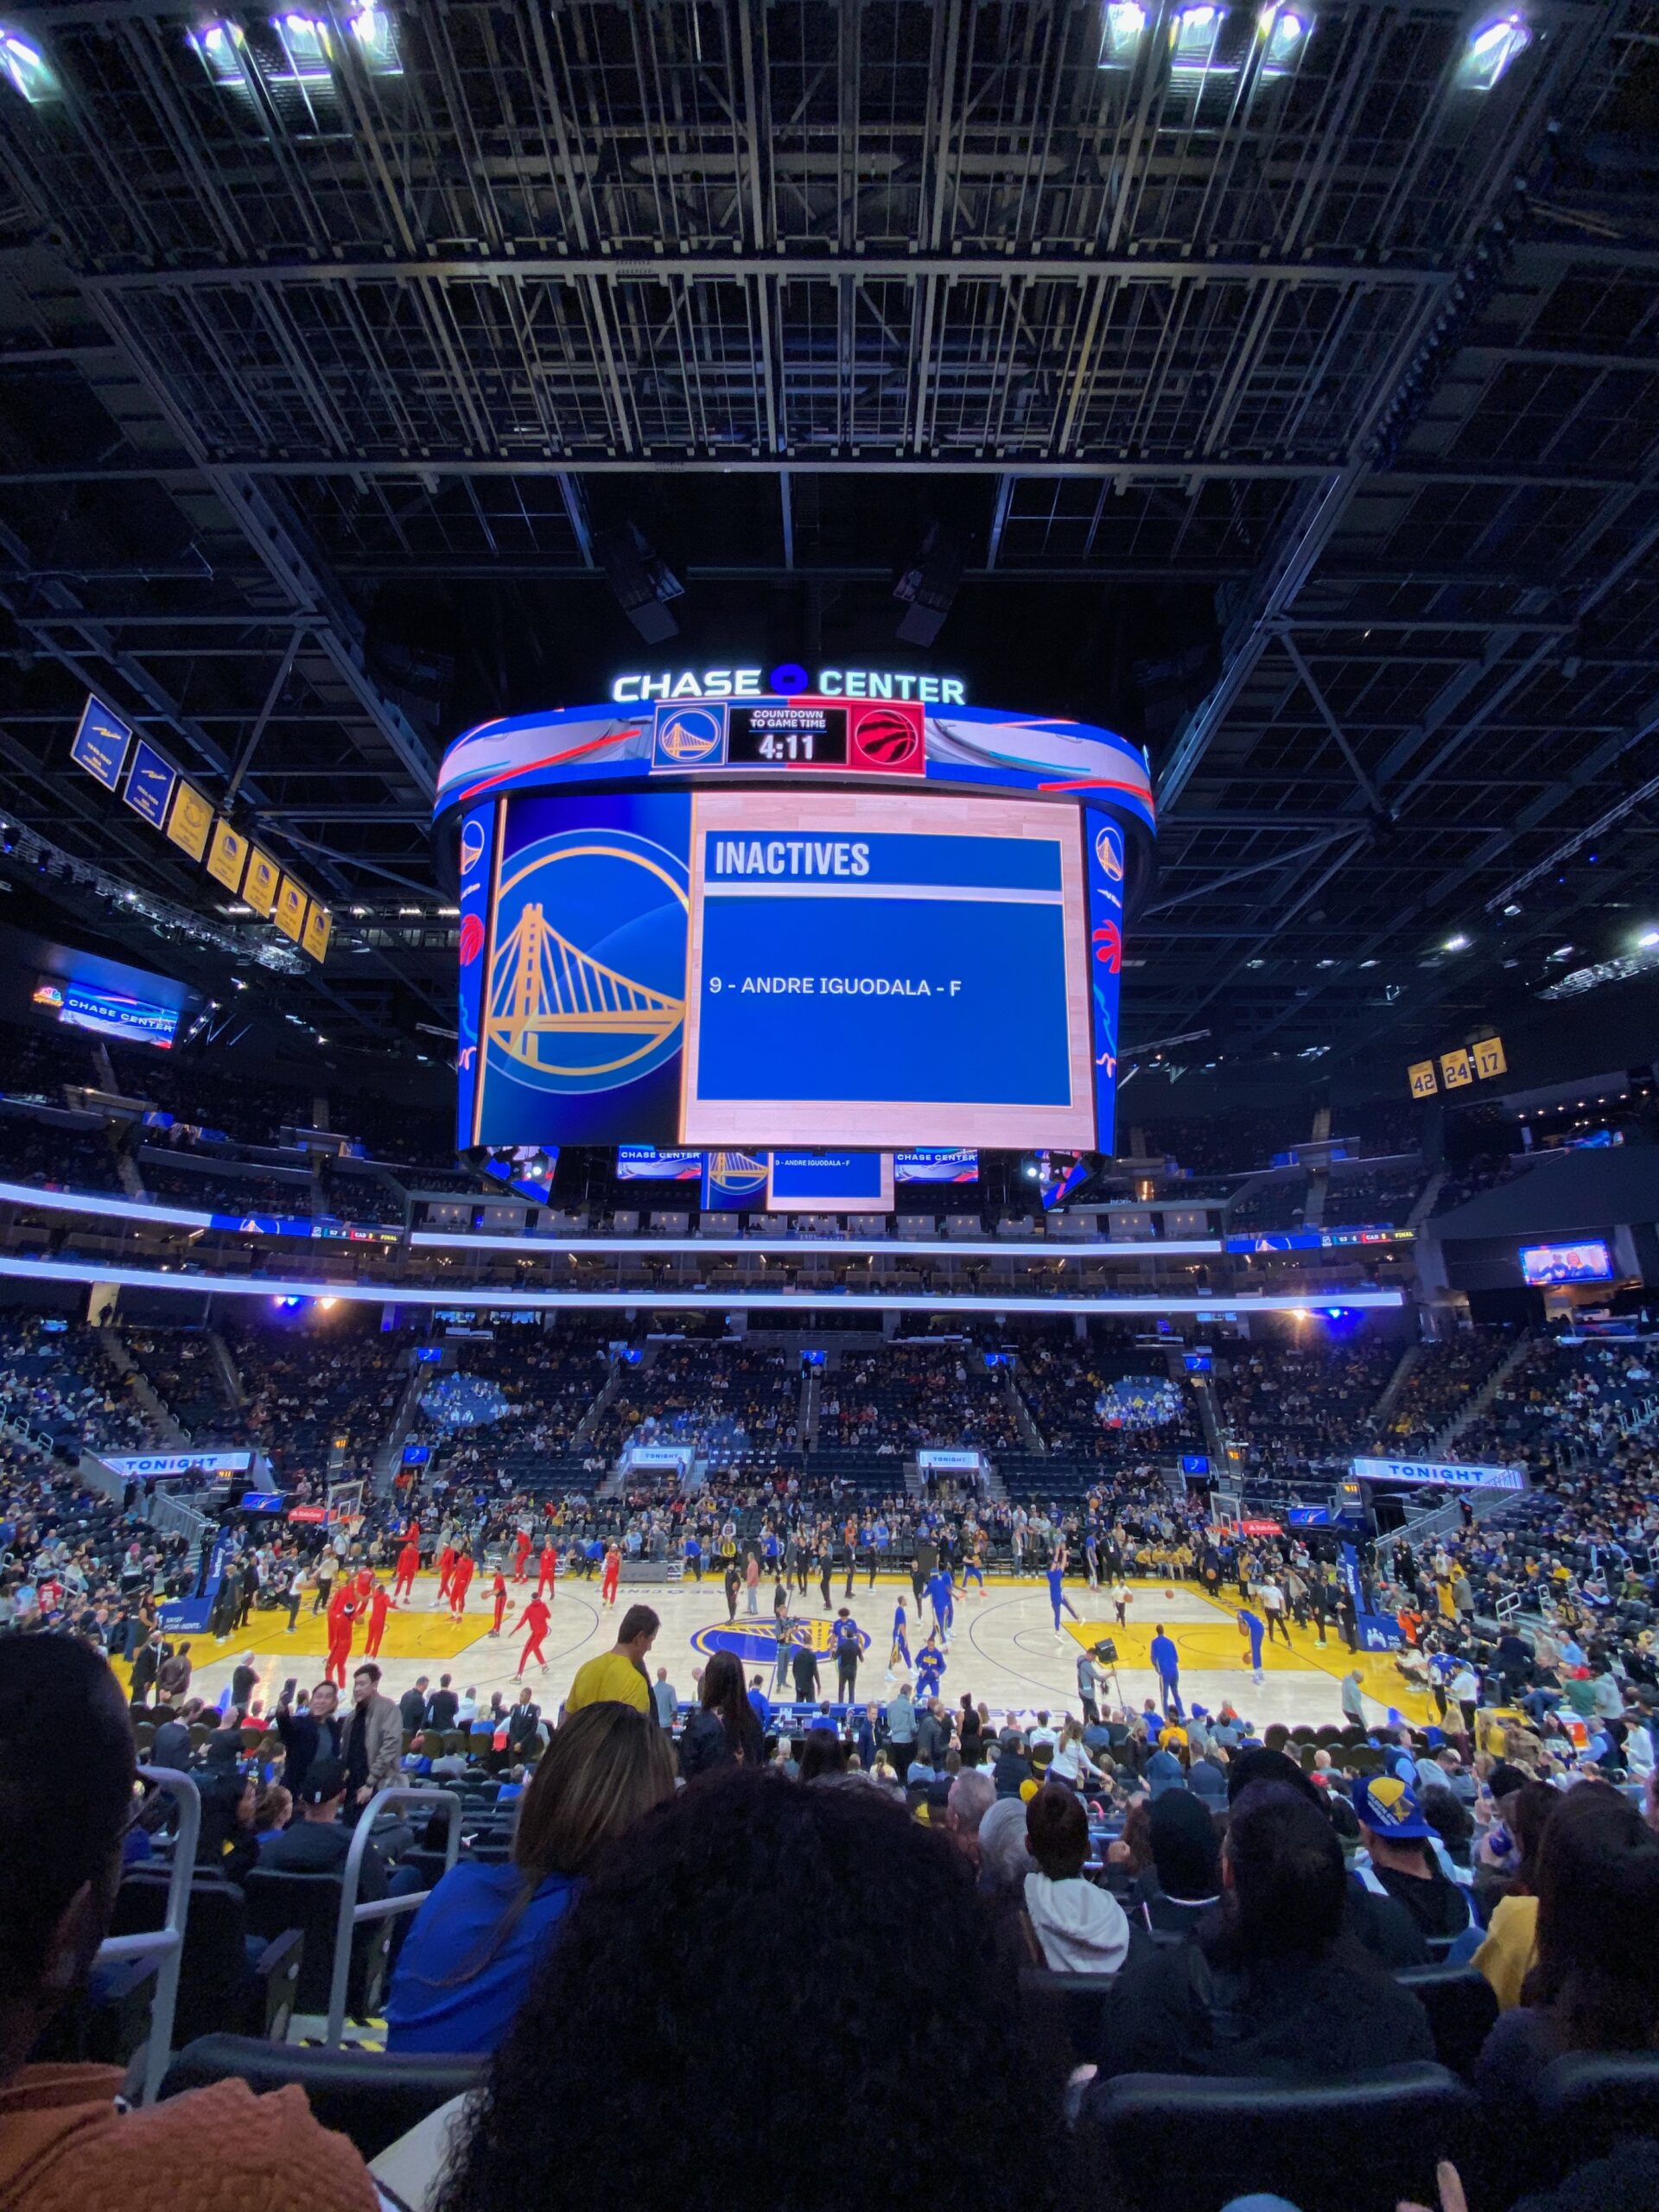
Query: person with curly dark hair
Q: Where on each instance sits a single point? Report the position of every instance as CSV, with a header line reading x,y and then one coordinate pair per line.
x,y
621,2060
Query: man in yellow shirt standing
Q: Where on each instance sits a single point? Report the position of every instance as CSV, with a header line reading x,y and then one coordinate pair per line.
x,y
619,1676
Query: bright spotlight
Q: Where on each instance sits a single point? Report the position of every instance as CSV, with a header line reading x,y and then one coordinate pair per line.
x,y
377,40
1458,943
1121,22
30,73
305,42
1492,46
1648,939
1283,30
1194,34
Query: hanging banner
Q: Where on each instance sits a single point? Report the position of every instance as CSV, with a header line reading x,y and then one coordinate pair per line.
x,y
190,820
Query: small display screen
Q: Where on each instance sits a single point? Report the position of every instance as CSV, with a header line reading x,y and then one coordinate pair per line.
x,y
1588,1260
783,734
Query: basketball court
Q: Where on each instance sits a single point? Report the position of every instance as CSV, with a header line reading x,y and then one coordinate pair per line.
x,y
1003,1650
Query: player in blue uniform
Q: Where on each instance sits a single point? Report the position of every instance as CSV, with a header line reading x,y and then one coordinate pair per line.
x,y
901,1636
930,1669
972,1566
1255,1627
1056,1596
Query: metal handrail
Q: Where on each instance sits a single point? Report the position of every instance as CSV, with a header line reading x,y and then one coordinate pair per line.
x,y
354,1915
166,1943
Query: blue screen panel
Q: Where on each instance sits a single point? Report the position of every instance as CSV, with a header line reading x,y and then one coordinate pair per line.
x,y
839,1182
114,1014
936,1163
574,1001
899,966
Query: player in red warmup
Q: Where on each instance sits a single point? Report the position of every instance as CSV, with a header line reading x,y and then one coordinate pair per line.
x,y
520,1555
445,1572
379,1606
342,1612
550,1566
408,1566
498,1592
537,1620
611,1577
460,1582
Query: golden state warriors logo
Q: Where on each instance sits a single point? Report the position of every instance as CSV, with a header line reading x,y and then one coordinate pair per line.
x,y
472,843
736,1174
689,737
1108,851
757,1646
586,982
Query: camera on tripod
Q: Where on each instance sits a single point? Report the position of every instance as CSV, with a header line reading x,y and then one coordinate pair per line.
x,y
1106,1652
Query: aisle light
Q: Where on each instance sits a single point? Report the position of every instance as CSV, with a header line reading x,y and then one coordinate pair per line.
x,y
1492,46
30,72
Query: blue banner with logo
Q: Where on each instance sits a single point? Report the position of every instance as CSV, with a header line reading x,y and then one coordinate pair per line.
x,y
149,784
1103,853
100,743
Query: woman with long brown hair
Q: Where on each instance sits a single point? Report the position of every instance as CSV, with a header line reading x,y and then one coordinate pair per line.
x,y
726,1728
475,1944
1595,1982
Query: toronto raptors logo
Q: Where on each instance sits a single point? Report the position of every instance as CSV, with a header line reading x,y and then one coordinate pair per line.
x,y
887,737
1109,947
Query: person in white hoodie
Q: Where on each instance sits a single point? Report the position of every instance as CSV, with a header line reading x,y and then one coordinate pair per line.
x,y
1080,1928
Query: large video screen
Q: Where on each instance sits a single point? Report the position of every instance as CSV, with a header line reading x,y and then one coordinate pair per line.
x,y
111,1013
1588,1260
816,968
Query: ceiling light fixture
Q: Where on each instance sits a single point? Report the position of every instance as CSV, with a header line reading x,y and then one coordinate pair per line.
x,y
30,71
1493,46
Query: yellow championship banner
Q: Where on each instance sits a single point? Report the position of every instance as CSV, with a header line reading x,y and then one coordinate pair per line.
x,y
1457,1068
189,819
259,885
1489,1058
318,928
292,899
1421,1076
227,856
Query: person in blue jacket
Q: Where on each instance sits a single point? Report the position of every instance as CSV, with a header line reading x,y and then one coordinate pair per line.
x,y
1167,1663
930,1669
900,1635
475,1944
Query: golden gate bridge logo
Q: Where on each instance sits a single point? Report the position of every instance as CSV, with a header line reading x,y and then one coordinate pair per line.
x,y
586,980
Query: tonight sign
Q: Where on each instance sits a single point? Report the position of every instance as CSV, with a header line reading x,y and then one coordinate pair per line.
x,y
788,680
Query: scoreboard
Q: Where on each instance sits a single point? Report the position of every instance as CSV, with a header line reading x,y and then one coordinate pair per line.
x,y
792,920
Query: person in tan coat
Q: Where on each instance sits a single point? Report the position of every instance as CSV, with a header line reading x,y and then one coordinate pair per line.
x,y
67,2142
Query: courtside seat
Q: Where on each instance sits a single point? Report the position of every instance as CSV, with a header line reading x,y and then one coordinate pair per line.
x,y
371,2096
1354,2146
